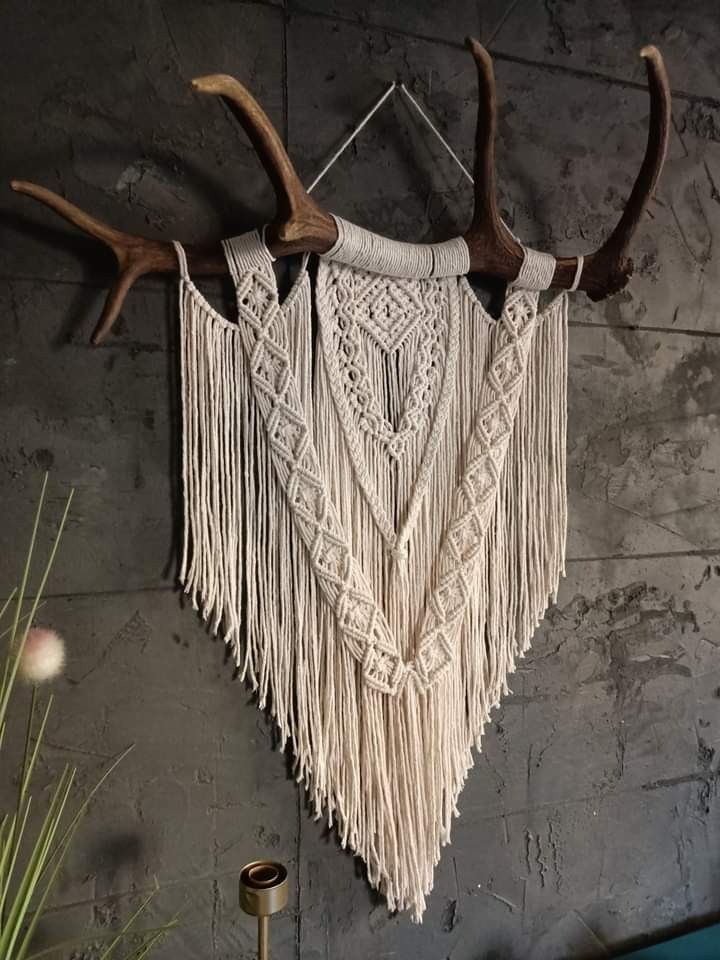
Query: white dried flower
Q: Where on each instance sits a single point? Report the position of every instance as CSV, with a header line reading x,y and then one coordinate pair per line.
x,y
43,656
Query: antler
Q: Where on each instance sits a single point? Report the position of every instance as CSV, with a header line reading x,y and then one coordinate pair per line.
x,y
299,222
494,250
301,225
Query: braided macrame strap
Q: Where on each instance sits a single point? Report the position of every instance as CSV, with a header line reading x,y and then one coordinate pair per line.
x,y
366,250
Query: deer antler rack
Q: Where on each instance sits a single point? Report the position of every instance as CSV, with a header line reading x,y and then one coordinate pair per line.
x,y
301,225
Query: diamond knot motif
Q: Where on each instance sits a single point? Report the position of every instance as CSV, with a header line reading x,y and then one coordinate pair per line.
x,y
305,496
383,670
430,659
269,367
479,480
330,556
493,424
451,597
508,368
466,538
356,613
286,433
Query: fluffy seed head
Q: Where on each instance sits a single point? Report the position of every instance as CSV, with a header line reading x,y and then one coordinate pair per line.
x,y
43,656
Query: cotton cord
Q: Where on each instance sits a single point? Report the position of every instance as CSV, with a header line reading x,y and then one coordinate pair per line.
x,y
578,273
366,250
182,260
437,133
263,234
351,136
537,270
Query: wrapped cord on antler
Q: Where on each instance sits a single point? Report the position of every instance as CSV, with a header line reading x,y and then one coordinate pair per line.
x,y
300,225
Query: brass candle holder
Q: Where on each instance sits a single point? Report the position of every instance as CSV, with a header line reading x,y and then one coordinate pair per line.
x,y
263,892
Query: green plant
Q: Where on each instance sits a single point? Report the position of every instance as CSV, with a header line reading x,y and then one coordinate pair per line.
x,y
30,859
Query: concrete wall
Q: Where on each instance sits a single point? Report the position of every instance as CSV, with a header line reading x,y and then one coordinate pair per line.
x,y
591,819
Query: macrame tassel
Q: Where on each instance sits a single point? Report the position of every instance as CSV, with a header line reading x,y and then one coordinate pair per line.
x,y
241,563
527,548
215,428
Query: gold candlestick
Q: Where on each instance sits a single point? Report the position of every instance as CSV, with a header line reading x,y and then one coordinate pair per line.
x,y
263,892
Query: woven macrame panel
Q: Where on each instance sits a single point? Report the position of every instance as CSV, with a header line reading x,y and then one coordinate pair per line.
x,y
375,522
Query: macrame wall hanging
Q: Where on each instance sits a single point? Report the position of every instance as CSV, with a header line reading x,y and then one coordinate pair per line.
x,y
375,521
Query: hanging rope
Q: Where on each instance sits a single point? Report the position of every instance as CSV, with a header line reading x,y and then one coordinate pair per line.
x,y
349,139
534,257
437,133
368,116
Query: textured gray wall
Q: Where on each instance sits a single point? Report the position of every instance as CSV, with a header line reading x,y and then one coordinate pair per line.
x,y
591,818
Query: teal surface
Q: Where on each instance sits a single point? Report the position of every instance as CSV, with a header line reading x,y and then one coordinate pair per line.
x,y
701,945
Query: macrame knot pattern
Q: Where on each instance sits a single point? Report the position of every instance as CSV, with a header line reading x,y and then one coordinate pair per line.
x,y
400,553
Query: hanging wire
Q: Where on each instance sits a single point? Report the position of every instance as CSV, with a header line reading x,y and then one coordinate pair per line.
x,y
373,110
349,139
437,133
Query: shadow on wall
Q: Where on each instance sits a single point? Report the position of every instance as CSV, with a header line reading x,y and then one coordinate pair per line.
x,y
114,855
499,952
106,866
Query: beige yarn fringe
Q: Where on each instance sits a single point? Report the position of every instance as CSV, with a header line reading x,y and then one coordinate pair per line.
x,y
385,768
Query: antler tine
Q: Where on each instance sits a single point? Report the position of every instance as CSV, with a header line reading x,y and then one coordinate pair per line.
x,y
491,245
484,169
135,255
613,252
493,249
486,216
299,223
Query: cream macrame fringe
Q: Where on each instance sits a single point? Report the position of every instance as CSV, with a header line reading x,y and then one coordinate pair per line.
x,y
387,419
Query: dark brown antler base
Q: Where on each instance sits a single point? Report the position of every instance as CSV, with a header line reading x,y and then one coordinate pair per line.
x,y
301,225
